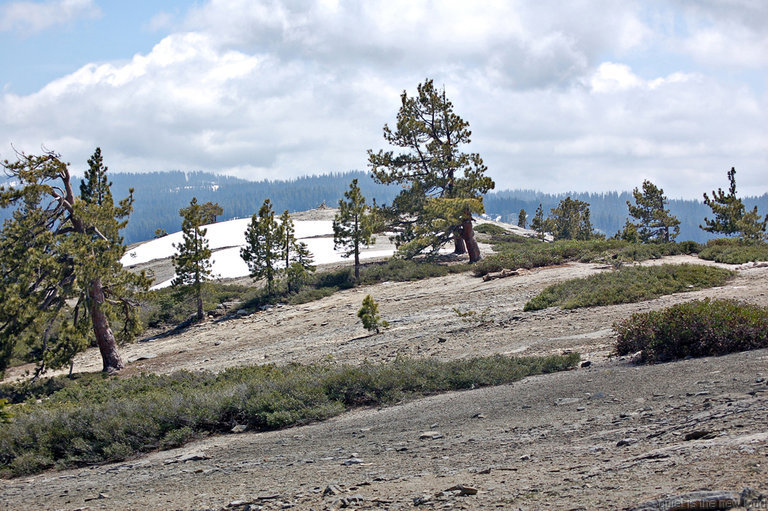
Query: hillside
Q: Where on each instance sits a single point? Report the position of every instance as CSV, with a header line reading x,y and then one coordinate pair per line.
x,y
607,436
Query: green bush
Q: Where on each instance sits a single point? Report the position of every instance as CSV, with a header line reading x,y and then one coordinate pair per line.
x,y
369,315
734,251
518,252
693,329
491,229
628,285
110,419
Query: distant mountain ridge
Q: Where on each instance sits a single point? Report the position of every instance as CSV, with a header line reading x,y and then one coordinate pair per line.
x,y
160,195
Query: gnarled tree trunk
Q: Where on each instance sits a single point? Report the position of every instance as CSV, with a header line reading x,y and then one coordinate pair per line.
x,y
104,336
458,244
468,236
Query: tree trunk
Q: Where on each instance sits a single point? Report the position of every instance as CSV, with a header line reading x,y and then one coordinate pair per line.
x,y
199,302
104,336
468,236
357,264
459,247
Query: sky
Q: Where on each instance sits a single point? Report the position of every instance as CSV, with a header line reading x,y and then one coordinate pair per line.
x,y
560,96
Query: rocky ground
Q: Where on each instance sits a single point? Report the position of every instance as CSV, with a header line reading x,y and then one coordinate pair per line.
x,y
608,436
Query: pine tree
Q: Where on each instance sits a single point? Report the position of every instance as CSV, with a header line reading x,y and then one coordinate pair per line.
x,y
210,212
522,218
61,281
300,268
655,222
352,226
94,187
369,315
193,258
288,241
442,186
263,250
570,221
538,222
731,217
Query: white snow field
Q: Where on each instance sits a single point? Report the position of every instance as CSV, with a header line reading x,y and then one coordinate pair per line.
x,y
226,238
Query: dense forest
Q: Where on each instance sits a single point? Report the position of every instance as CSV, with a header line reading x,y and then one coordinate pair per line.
x,y
160,195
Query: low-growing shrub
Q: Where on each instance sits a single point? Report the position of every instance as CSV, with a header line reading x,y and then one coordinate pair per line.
x,y
693,329
113,418
404,270
515,252
491,229
734,251
628,285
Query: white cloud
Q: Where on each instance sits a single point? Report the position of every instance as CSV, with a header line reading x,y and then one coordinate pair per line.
x,y
278,89
30,17
729,33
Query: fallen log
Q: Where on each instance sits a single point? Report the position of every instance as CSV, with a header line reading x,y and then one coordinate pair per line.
x,y
499,274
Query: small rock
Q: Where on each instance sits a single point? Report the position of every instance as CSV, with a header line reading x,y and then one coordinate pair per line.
x,y
352,461
421,500
700,435
430,435
441,339
566,401
238,503
239,428
525,457
332,490
586,363
352,500
625,442
478,416
144,356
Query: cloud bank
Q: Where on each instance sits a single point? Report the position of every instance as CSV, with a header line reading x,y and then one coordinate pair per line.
x,y
560,96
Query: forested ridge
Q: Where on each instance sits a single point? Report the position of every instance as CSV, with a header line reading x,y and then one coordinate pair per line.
x,y
160,195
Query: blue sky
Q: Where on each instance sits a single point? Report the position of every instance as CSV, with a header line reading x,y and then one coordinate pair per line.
x,y
582,95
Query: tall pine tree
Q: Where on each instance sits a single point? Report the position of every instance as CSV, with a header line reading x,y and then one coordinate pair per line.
x,y
263,246
352,225
62,281
731,217
442,186
192,260
654,221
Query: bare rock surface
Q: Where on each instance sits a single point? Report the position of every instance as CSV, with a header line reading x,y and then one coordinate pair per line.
x,y
547,442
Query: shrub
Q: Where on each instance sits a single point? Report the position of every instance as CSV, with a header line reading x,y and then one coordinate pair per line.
x,y
5,412
369,315
734,251
628,285
491,229
403,270
519,252
693,329
109,419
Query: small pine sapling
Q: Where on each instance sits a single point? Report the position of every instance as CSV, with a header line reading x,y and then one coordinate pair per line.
x,y
369,315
